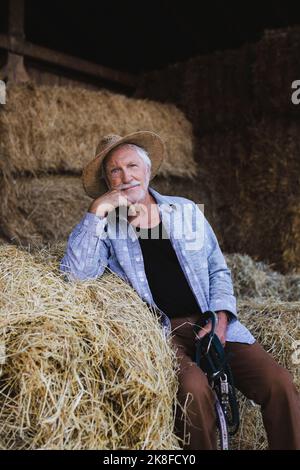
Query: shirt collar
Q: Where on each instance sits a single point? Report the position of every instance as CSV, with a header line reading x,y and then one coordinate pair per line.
x,y
162,201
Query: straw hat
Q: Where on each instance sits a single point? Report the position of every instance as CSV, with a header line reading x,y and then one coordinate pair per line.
x,y
92,177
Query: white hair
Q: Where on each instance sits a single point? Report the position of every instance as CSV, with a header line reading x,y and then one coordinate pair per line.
x,y
139,150
142,153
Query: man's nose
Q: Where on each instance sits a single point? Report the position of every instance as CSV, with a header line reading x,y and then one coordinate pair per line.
x,y
126,176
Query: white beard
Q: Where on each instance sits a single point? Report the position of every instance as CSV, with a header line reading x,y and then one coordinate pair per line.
x,y
140,192
139,195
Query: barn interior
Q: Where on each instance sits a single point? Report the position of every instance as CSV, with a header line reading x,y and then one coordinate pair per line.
x,y
226,67
215,80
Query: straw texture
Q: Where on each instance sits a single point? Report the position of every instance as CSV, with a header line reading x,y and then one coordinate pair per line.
x,y
83,365
57,129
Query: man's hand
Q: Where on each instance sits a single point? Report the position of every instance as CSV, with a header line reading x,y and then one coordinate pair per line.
x,y
221,327
108,202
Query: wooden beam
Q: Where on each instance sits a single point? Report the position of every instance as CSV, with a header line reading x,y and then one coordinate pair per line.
x,y
17,46
14,70
16,18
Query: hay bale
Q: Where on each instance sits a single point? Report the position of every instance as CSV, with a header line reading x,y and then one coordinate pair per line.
x,y
290,238
223,90
275,68
3,240
268,304
256,280
269,191
64,383
35,211
213,90
175,186
40,210
259,215
217,89
164,85
275,325
56,129
86,365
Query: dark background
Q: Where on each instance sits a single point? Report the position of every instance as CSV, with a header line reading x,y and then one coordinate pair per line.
x,y
138,36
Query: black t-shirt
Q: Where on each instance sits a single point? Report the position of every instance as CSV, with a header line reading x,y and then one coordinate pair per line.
x,y
168,284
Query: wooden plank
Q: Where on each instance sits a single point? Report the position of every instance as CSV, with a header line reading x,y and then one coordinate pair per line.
x,y
17,46
16,18
14,70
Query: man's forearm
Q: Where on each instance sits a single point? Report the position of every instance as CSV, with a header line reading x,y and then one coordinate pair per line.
x,y
85,238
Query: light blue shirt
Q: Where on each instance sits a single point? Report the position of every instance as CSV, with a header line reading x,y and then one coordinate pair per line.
x,y
96,244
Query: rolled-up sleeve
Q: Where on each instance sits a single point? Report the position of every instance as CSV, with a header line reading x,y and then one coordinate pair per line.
x,y
87,250
221,294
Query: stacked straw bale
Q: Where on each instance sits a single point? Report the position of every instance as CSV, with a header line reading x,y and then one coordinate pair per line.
x,y
50,133
224,89
214,90
83,365
217,89
57,129
260,214
276,67
165,85
256,280
247,134
44,209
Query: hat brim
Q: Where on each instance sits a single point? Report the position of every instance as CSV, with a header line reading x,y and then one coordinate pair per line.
x,y
92,178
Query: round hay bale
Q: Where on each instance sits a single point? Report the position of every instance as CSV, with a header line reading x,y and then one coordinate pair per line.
x,y
56,129
84,365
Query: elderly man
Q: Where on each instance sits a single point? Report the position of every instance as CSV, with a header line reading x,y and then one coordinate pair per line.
x,y
165,248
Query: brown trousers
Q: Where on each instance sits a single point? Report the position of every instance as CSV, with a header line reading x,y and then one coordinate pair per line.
x,y
256,375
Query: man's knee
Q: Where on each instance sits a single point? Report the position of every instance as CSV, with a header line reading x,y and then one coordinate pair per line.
x,y
281,379
276,380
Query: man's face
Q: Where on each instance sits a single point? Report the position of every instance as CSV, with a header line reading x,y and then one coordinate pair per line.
x,y
127,171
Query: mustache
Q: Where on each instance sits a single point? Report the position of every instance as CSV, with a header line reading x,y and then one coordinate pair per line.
x,y
127,186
